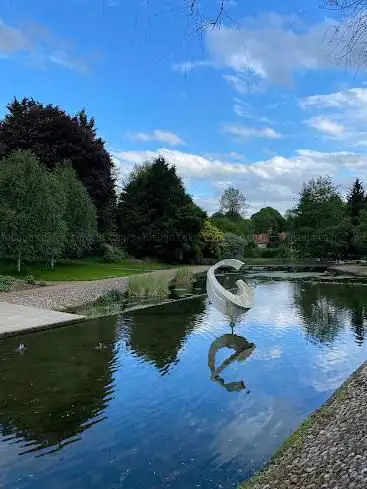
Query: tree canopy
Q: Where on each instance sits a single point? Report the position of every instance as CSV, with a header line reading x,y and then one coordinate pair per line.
x,y
80,214
320,220
267,219
233,203
157,217
54,136
32,206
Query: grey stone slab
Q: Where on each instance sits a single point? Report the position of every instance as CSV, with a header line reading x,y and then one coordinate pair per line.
x,y
17,319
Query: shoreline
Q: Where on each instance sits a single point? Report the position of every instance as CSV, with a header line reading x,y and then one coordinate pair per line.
x,y
328,450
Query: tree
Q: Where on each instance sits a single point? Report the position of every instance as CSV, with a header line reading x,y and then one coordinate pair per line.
x,y
234,246
233,203
356,202
156,215
236,225
319,220
360,234
212,240
80,212
54,136
267,219
32,207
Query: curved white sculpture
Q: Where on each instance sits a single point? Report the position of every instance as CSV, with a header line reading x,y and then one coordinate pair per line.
x,y
224,300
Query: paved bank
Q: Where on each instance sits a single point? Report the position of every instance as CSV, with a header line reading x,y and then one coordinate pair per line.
x,y
329,451
15,319
70,294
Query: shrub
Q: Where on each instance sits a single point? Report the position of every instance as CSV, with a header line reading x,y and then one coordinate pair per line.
x,y
111,254
234,246
7,283
111,297
212,240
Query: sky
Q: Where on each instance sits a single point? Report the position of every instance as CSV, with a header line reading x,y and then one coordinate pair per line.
x,y
263,103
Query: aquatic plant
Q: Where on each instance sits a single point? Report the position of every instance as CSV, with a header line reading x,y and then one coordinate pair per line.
x,y
184,274
110,297
154,285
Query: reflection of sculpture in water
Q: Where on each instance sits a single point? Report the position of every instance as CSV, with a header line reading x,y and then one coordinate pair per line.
x,y
233,305
242,350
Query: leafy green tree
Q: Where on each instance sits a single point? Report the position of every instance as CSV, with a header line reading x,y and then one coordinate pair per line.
x,y
32,207
80,213
212,240
233,203
54,136
235,225
267,219
157,217
234,247
319,220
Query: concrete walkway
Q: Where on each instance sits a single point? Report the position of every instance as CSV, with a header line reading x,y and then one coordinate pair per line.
x,y
15,319
329,451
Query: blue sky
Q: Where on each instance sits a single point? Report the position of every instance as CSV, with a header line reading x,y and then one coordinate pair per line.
x,y
262,103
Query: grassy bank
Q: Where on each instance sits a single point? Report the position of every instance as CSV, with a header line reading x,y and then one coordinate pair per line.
x,y
87,269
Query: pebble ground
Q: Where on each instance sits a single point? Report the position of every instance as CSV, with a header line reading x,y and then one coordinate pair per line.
x,y
330,450
70,294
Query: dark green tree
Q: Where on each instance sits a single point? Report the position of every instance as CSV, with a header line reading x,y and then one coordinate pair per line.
x,y
267,219
356,202
157,217
319,221
54,136
235,225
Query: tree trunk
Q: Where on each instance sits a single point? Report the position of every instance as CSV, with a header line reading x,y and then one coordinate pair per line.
x,y
53,263
18,263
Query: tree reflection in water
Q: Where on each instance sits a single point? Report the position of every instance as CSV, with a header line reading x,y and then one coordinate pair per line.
x,y
59,387
327,308
157,334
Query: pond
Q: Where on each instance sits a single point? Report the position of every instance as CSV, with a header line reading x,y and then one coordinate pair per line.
x,y
152,400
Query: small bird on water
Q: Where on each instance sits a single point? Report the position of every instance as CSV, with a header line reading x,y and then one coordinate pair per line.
x,y
21,348
100,346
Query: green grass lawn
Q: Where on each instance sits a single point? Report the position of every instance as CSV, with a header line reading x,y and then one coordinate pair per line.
x,y
86,269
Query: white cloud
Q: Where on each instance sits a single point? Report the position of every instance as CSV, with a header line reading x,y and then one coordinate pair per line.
x,y
187,66
326,126
166,137
344,115
269,48
350,98
243,132
35,44
275,181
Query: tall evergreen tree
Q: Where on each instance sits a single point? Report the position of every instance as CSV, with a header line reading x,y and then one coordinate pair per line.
x,y
356,202
156,215
54,136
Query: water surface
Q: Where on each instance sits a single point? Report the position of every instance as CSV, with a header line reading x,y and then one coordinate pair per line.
x,y
164,403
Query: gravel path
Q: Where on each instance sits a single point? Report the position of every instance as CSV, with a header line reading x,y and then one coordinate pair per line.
x,y
70,294
329,451
358,270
